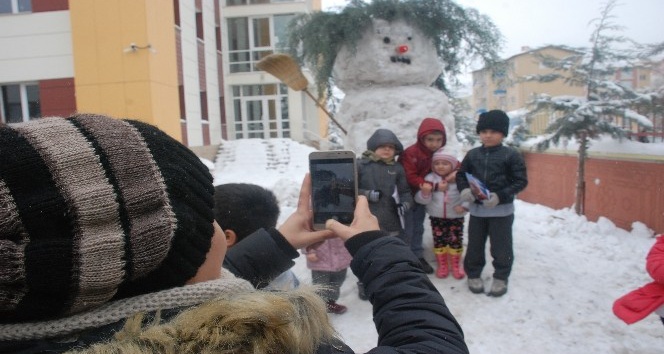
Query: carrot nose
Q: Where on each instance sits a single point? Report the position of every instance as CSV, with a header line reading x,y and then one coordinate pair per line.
x,y
402,49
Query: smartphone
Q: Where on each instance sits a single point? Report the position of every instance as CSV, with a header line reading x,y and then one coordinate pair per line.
x,y
333,186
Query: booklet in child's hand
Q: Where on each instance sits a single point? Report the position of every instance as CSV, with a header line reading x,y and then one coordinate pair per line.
x,y
478,188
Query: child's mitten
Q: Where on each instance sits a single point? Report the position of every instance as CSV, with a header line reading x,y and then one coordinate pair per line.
x,y
492,201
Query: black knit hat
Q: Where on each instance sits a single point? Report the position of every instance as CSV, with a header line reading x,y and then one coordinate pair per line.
x,y
384,137
94,208
495,120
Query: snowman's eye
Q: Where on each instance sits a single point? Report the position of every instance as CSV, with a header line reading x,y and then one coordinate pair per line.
x,y
410,38
386,40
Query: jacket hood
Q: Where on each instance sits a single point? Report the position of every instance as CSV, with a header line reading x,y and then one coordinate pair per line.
x,y
382,137
254,322
430,125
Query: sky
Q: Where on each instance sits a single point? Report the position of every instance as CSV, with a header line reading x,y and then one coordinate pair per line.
x,y
536,23
567,270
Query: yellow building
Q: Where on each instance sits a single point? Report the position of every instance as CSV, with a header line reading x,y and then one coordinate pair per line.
x,y
504,87
187,66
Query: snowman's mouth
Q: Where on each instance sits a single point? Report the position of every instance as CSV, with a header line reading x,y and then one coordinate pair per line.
x,y
400,59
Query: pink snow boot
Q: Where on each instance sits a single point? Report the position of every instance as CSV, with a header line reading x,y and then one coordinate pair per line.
x,y
457,268
443,271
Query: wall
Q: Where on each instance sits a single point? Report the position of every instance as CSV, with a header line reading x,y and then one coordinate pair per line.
x,y
621,190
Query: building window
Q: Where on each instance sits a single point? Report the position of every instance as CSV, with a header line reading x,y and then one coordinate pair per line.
x,y
253,38
19,103
261,111
15,6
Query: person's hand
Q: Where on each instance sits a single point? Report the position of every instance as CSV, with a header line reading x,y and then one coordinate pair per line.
x,y
402,208
363,221
442,186
467,195
312,257
459,209
374,195
451,178
492,201
426,188
298,229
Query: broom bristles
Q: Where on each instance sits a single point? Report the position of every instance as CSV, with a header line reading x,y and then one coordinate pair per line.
x,y
284,68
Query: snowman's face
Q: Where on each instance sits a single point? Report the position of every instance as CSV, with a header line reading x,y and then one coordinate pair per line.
x,y
389,54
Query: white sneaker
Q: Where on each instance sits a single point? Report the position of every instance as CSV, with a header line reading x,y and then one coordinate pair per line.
x,y
476,285
498,287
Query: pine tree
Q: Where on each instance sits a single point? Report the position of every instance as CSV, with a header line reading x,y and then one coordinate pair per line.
x,y
589,117
463,121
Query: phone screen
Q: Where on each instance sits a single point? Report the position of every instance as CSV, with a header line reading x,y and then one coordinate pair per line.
x,y
333,189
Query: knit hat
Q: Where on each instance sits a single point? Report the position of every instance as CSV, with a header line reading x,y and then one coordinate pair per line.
x,y
384,137
93,209
496,120
440,154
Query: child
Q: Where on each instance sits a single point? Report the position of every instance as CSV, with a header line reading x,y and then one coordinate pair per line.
x,y
242,208
416,161
329,263
446,212
383,182
503,172
637,304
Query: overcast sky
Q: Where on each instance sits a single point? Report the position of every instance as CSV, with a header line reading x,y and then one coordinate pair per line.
x,y
536,23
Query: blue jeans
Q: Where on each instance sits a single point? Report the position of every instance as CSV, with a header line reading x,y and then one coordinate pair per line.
x,y
414,228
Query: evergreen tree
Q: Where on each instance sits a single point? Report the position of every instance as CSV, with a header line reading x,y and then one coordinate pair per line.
x,y
463,121
589,117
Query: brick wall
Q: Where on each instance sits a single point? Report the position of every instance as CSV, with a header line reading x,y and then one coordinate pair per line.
x,y
624,191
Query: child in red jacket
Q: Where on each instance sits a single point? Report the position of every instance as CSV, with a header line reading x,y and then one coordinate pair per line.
x,y
416,161
637,304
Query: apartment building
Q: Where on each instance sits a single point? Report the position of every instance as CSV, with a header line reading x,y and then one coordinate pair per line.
x,y
187,66
503,87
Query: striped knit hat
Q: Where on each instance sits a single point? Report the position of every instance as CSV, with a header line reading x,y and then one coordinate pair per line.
x,y
93,209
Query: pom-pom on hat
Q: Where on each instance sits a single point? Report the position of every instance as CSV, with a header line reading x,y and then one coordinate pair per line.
x,y
495,120
94,208
440,154
384,137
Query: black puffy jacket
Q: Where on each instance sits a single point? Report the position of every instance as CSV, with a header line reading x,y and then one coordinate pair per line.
x,y
501,168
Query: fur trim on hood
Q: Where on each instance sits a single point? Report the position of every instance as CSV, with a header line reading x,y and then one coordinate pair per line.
x,y
294,321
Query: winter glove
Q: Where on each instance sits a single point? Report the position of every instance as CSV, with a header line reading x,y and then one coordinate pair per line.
x,y
402,208
374,195
492,201
467,195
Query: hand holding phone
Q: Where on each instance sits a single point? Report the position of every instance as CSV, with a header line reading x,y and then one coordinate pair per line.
x,y
333,185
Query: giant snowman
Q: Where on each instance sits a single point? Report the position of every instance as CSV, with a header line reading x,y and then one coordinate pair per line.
x,y
387,84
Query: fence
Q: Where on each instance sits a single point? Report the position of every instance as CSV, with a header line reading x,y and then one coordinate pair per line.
x,y
624,190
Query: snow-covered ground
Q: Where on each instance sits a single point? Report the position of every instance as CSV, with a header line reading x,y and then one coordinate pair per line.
x,y
566,275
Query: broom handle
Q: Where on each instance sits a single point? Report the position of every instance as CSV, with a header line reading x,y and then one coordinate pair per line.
x,y
325,110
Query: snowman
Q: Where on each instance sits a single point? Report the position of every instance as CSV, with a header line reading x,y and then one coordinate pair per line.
x,y
387,82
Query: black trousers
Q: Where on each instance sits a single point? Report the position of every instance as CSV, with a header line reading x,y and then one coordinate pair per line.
x,y
499,232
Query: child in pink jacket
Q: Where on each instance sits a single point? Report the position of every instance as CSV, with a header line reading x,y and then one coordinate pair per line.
x,y
329,263
637,304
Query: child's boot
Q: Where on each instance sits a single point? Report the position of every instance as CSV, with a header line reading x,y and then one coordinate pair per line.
x,y
457,267
441,257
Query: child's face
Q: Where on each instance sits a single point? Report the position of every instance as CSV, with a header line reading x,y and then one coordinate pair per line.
x,y
442,167
433,141
490,137
385,152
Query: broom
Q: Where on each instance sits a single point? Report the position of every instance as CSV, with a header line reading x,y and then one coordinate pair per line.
x,y
283,67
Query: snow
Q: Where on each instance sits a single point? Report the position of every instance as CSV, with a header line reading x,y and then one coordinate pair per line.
x,y
567,270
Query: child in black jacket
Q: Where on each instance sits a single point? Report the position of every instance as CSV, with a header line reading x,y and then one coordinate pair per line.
x,y
503,171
